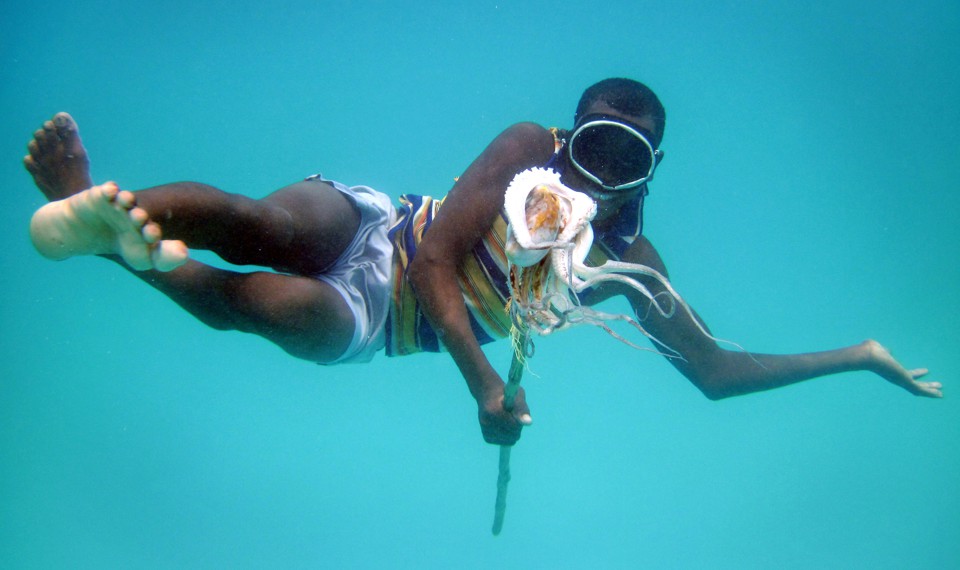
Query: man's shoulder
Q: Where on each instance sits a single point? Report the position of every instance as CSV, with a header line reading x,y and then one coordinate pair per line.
x,y
528,131
527,142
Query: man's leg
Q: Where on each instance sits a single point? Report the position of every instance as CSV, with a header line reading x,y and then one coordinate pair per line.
x,y
302,229
304,316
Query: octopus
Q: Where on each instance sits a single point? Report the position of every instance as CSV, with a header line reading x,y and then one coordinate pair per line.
x,y
548,238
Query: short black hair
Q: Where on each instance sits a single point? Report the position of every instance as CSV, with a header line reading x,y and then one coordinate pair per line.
x,y
627,96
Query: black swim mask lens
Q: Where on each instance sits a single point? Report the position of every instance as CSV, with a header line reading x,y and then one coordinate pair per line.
x,y
614,154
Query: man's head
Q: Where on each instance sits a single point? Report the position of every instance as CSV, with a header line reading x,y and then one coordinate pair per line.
x,y
613,147
628,97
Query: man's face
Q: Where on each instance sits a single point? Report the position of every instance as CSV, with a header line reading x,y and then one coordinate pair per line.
x,y
608,203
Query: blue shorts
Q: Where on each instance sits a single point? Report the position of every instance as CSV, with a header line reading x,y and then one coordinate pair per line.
x,y
362,273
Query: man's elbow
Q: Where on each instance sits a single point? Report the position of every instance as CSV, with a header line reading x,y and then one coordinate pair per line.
x,y
714,394
712,387
418,272
711,371
423,269
711,392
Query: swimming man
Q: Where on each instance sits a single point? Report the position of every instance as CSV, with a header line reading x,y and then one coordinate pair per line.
x,y
351,274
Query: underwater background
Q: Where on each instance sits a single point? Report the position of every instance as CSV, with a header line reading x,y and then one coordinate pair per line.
x,y
809,199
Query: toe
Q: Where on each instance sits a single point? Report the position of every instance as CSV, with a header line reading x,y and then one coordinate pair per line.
x,y
49,133
39,139
30,164
168,255
139,217
127,199
151,232
46,139
64,124
109,190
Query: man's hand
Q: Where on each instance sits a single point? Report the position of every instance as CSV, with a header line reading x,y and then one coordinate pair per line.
x,y
499,426
880,361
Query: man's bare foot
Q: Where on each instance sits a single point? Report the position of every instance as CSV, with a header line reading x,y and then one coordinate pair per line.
x,y
104,220
98,221
57,160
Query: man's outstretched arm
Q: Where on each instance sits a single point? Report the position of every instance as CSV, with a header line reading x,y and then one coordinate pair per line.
x,y
720,373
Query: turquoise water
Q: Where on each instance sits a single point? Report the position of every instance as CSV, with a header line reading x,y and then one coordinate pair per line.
x,y
808,201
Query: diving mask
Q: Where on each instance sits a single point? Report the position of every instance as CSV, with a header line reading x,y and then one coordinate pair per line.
x,y
613,152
